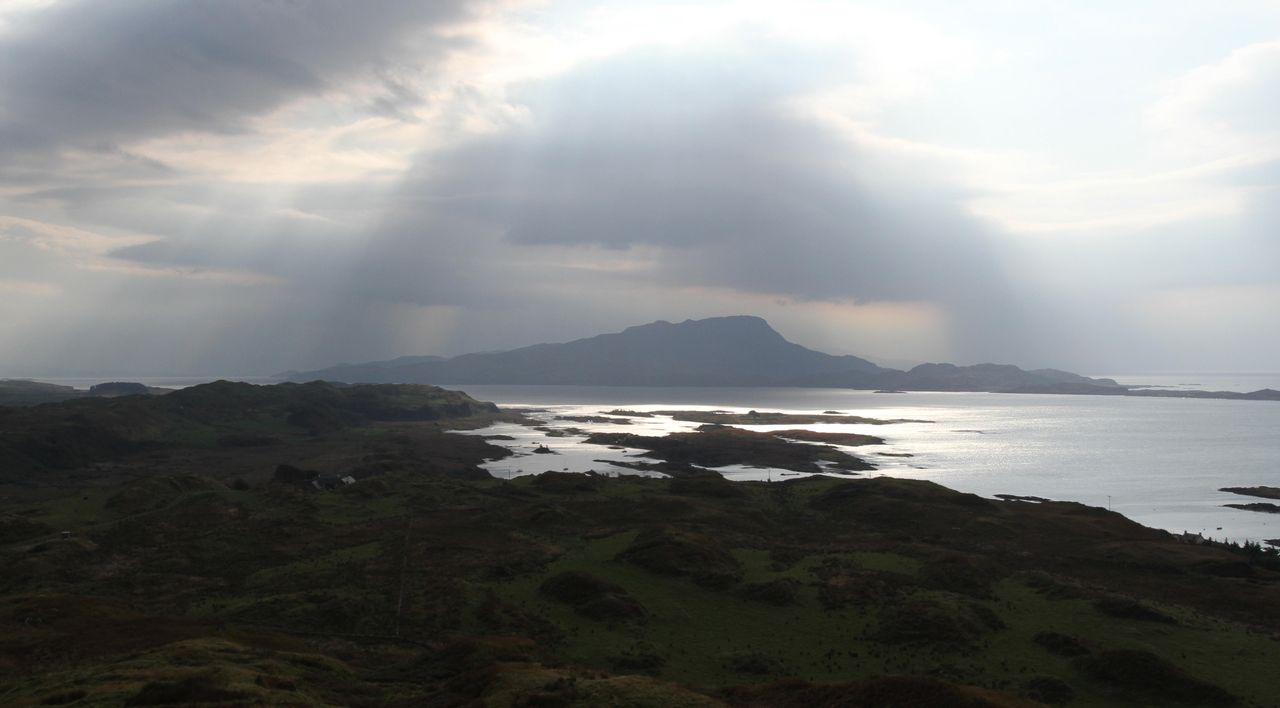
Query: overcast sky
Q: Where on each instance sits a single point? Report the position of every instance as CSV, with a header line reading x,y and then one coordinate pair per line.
x,y
246,186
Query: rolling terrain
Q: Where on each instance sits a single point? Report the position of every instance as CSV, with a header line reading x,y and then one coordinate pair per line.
x,y
203,546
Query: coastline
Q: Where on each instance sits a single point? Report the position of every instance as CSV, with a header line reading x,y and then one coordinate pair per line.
x,y
1086,449
1091,449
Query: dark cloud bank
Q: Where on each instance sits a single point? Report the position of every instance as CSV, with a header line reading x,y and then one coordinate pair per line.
x,y
99,74
692,161
704,168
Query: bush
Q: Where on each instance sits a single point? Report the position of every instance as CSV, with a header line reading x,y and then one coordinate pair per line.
x,y
930,621
639,658
1125,608
1145,676
779,593
592,597
1060,644
754,663
200,688
564,482
706,485
1049,690
63,698
682,554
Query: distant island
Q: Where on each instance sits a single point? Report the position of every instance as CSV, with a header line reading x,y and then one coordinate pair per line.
x,y
722,351
25,392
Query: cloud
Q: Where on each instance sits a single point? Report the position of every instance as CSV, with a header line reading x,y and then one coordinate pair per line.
x,y
98,75
659,170
705,161
699,165
1224,109
329,180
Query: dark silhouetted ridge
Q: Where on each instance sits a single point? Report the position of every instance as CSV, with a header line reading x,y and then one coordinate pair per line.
x,y
719,351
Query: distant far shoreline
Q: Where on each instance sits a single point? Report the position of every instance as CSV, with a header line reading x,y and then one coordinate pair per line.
x,y
1262,386
84,382
1197,381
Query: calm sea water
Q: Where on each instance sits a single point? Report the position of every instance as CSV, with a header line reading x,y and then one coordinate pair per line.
x,y
1158,461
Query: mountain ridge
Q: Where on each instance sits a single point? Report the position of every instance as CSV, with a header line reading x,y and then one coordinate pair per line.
x,y
722,351
738,350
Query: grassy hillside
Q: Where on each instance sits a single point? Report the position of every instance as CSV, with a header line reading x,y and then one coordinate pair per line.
x,y
199,572
21,392
83,432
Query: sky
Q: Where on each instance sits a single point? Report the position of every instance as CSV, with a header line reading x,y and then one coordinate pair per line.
x,y
240,187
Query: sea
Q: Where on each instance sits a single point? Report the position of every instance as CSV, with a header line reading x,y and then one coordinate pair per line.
x,y
1158,461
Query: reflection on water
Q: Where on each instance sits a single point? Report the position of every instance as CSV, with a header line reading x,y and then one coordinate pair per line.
x,y
1158,461
1243,383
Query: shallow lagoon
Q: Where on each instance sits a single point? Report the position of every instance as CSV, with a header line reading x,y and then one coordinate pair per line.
x,y
1159,461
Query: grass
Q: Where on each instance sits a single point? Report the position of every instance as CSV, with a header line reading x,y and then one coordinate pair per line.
x,y
311,569
344,578
421,583
698,632
71,511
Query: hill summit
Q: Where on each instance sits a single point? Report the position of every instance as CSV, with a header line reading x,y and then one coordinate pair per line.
x,y
719,351
740,350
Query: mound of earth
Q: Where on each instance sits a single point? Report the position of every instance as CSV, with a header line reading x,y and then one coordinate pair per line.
x,y
565,482
1127,608
881,692
705,485
592,597
1061,644
676,553
924,620
780,593
1143,676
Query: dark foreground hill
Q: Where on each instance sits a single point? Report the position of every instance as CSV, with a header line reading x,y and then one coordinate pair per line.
x,y
222,415
207,568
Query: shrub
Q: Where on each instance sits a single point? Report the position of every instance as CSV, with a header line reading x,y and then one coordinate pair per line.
x,y
592,597
1060,644
1125,608
1141,674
